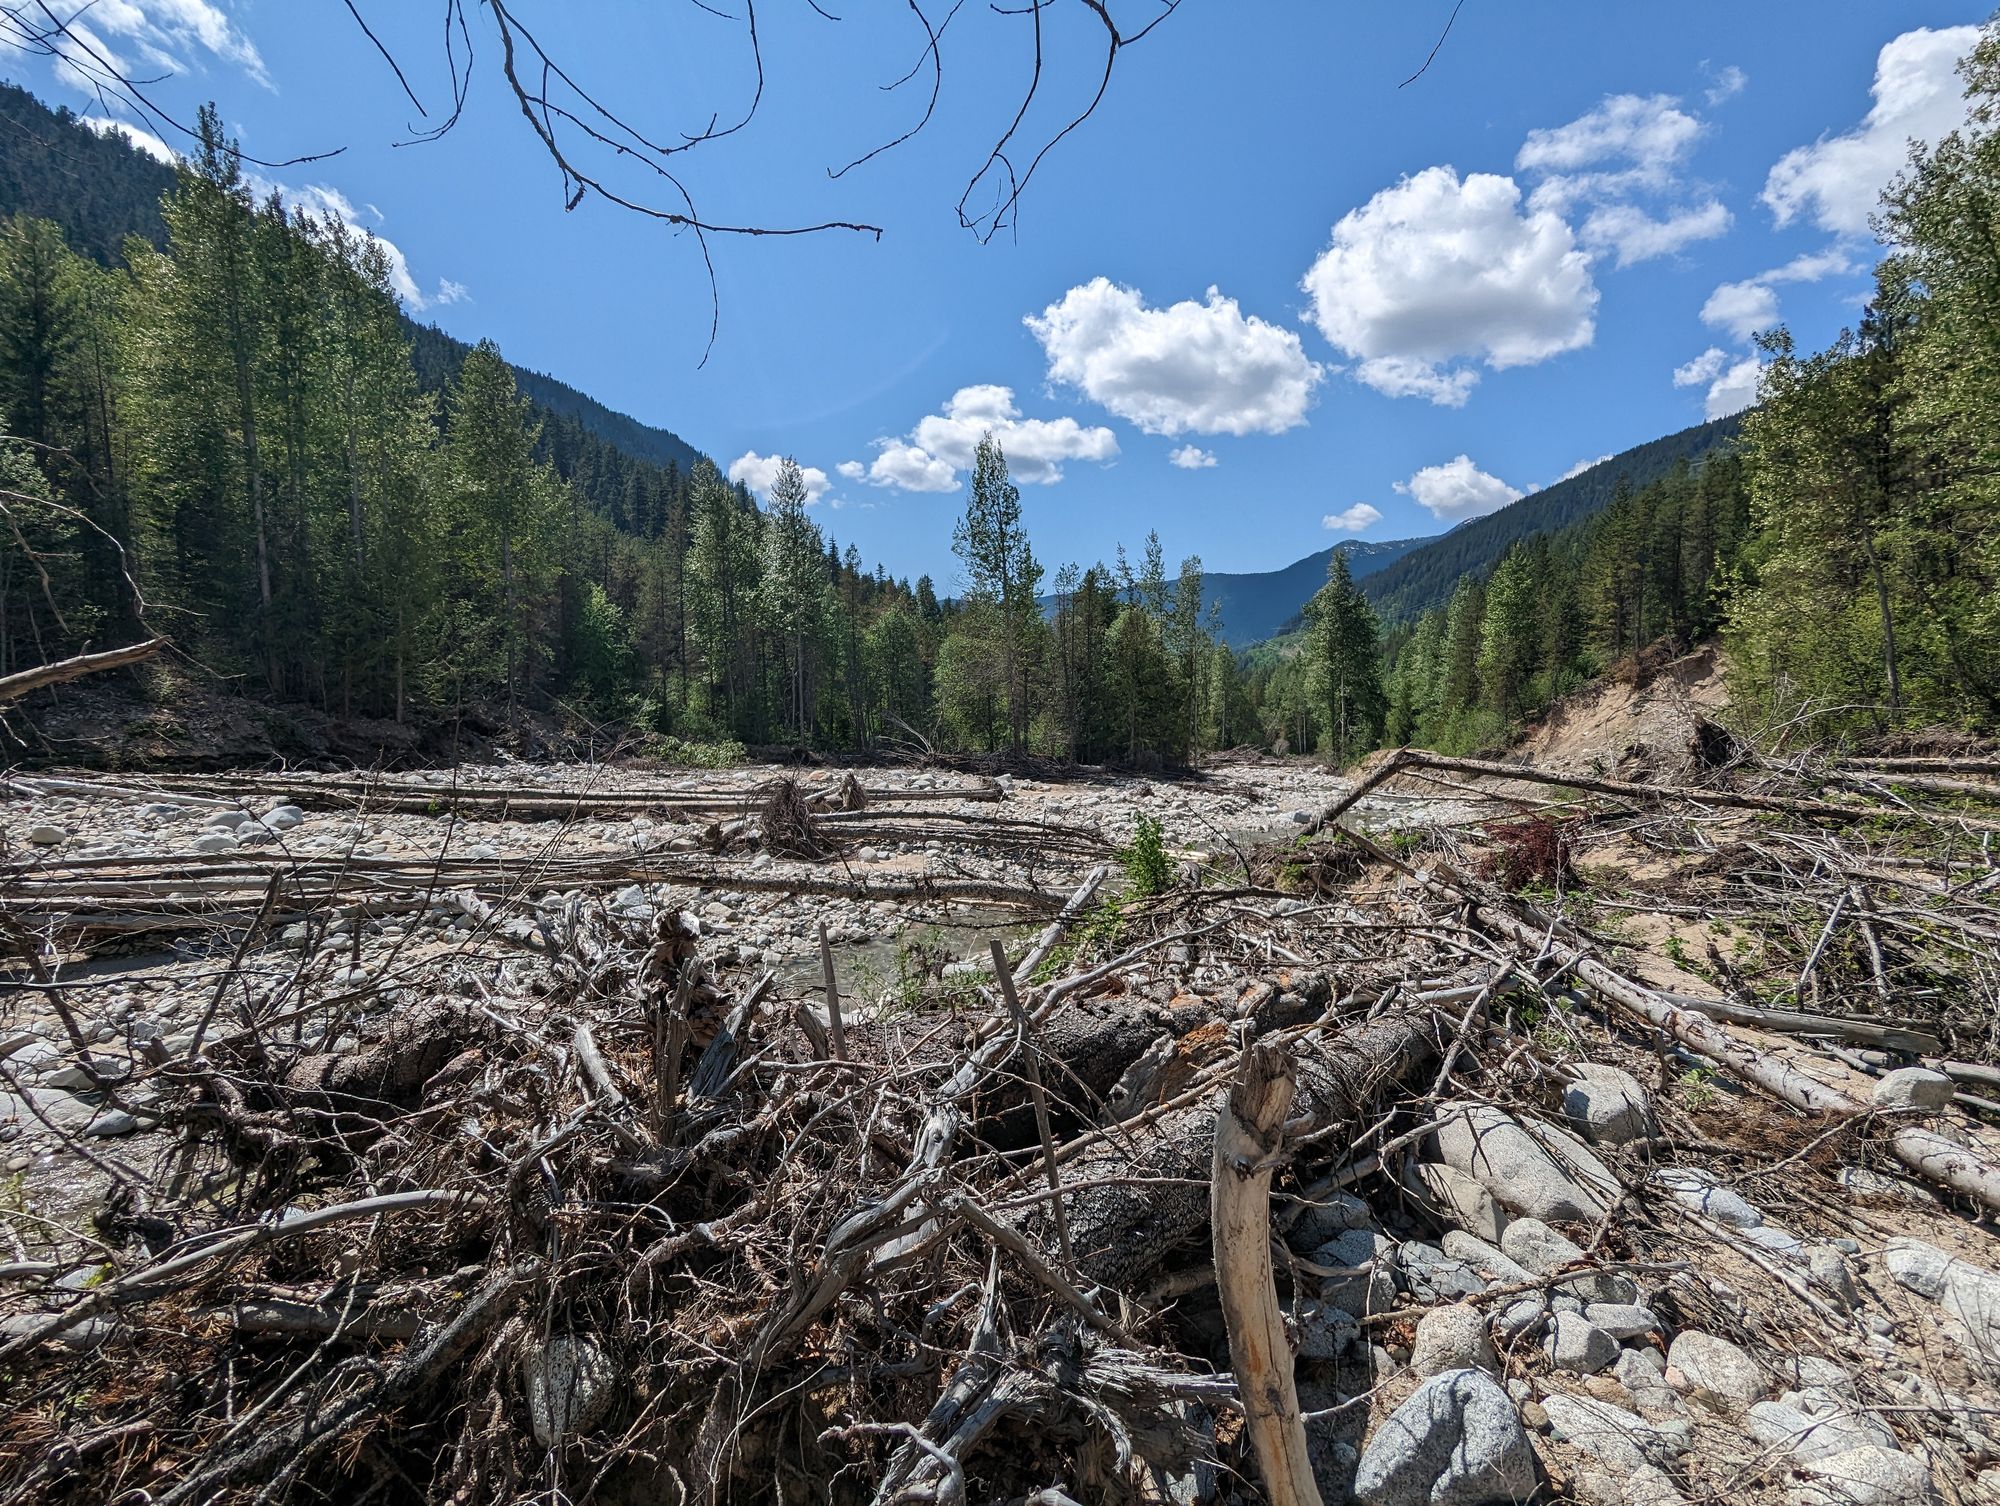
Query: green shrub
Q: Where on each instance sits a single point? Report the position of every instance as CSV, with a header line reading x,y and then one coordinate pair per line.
x,y
1145,859
686,753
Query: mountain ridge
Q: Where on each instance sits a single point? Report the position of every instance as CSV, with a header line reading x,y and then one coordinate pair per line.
x,y
101,189
1425,577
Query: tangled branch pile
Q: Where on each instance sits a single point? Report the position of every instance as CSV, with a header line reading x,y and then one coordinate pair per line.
x,y
1565,1185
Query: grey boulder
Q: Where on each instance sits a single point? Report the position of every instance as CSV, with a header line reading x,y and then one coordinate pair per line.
x,y
1578,1345
1520,1319
1913,1088
1325,1333
1692,1189
1457,1441
1717,1366
1809,1436
1967,1292
1452,1338
1324,1217
1366,1285
1868,1476
1434,1276
1623,1320
1462,1199
1609,1106
1612,1434
1533,1244
1831,1273
1483,1258
1537,1172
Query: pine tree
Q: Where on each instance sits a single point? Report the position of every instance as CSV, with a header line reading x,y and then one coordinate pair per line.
x,y
507,510
794,590
1001,572
1344,658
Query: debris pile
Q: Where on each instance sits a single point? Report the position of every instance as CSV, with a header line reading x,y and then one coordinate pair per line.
x,y
1585,1139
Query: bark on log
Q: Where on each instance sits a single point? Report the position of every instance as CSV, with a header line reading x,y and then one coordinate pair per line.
x,y
1405,759
1249,1133
1141,1193
1958,1168
20,683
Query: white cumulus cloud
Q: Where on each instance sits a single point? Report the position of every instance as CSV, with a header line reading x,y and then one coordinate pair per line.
x,y
1746,307
1190,457
1581,466
851,470
328,202
1205,368
145,141
758,472
1630,147
1650,133
909,468
1636,236
1734,388
1352,519
164,34
1458,489
931,456
1741,308
1438,271
1728,83
1836,181
1703,368
451,292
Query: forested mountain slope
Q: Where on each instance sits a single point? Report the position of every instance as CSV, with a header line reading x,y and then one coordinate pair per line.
x,y
1424,577
1254,605
100,190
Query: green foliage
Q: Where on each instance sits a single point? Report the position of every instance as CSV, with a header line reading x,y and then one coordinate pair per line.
x,y
1344,670
915,979
1093,939
601,659
1871,597
1652,565
1424,579
680,752
1147,868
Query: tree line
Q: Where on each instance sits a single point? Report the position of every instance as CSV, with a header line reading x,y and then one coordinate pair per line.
x,y
236,435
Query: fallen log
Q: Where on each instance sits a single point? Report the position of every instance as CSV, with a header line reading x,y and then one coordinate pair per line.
x,y
1249,1133
1533,935
407,795
1405,759
62,671
1140,1193
1797,1022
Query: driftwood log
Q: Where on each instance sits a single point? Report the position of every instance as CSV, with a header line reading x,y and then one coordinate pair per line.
x,y
1140,1192
1249,1134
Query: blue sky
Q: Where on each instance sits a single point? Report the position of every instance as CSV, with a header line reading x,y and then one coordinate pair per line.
x,y
1262,300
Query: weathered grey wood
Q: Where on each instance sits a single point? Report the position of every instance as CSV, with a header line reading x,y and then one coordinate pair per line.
x,y
20,683
836,1030
1249,1132
1031,1059
1138,1193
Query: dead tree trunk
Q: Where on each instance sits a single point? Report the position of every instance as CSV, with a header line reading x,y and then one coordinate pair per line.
x,y
1249,1132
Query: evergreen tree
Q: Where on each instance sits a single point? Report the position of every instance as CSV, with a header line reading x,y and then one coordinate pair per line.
x,y
1001,573
1344,659
795,591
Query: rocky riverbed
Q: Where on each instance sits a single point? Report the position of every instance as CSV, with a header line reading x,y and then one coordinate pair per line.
x,y
148,994
1562,1257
